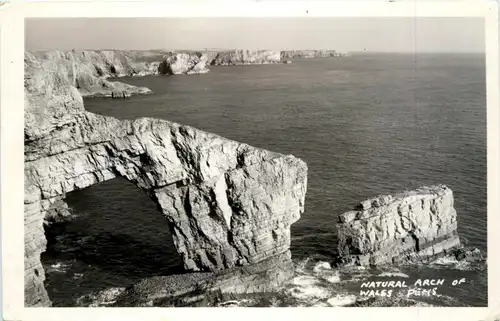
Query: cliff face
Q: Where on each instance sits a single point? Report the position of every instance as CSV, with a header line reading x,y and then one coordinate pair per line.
x,y
252,57
301,54
88,70
413,226
229,204
184,63
247,57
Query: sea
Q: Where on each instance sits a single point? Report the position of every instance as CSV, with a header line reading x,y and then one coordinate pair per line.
x,y
366,125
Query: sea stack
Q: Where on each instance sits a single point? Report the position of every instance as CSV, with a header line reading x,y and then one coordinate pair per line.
x,y
409,227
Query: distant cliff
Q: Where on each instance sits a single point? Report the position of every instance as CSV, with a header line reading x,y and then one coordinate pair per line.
x,y
88,71
302,54
252,57
247,57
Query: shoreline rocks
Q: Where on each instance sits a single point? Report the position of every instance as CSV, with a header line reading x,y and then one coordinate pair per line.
x,y
200,288
58,212
413,226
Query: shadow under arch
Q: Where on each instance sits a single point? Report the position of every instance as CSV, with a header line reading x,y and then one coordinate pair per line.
x,y
118,236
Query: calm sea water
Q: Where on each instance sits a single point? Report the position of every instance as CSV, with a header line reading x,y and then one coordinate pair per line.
x,y
365,125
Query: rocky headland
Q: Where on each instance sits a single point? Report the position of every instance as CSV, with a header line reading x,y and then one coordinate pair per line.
x,y
229,205
89,70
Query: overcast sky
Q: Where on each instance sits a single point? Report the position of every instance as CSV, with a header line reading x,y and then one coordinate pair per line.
x,y
347,34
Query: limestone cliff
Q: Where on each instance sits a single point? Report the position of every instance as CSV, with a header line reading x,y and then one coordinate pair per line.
x,y
184,63
301,54
88,70
229,205
253,57
247,57
412,226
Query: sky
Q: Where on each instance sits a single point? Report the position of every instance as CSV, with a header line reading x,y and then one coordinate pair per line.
x,y
344,34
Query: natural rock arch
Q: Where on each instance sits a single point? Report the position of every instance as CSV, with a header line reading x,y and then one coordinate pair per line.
x,y
229,204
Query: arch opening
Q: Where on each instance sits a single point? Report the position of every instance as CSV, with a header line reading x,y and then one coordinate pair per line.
x,y
116,236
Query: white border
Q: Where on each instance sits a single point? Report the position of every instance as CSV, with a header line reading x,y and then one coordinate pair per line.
x,y
12,128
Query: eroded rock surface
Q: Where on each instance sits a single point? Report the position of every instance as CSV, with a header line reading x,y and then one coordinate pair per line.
x,y
408,227
88,70
247,57
184,63
199,288
229,204
58,212
293,54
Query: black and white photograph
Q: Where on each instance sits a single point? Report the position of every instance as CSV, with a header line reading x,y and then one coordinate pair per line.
x,y
255,162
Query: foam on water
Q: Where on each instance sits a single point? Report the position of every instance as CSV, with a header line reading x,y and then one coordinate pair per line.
x,y
322,266
231,303
236,303
100,298
305,281
342,300
316,283
453,263
308,289
310,284
301,265
59,267
333,278
393,274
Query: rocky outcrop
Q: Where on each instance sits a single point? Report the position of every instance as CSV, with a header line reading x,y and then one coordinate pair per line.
x,y
467,254
88,70
247,57
301,54
413,226
58,212
228,204
197,288
183,63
